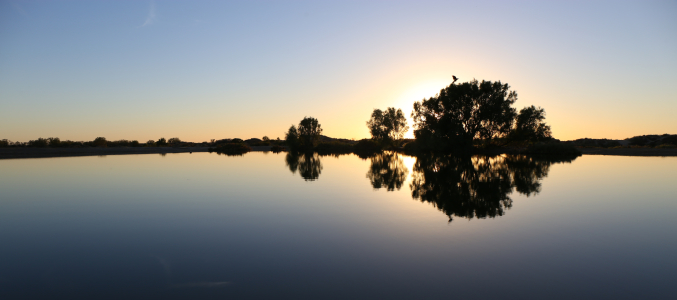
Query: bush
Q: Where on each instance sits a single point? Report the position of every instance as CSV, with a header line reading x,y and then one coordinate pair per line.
x,y
100,142
556,148
174,141
277,149
231,148
671,140
367,146
40,142
324,148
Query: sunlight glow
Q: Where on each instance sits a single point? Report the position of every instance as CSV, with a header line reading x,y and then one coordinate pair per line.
x,y
417,92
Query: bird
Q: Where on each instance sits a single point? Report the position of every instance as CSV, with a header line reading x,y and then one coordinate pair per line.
x,y
454,77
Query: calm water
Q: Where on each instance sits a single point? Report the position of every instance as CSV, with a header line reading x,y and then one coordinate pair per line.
x,y
271,226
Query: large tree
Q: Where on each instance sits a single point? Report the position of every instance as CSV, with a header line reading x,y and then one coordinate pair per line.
x,y
309,131
388,125
463,113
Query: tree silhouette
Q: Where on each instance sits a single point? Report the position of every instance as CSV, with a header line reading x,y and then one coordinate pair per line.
x,y
387,126
292,138
530,125
309,131
463,113
478,186
308,164
387,170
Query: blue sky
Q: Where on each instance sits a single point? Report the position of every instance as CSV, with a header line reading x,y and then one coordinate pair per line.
x,y
223,69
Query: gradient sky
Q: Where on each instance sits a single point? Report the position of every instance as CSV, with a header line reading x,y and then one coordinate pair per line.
x,y
199,70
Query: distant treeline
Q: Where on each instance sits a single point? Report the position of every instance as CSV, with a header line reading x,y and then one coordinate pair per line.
x,y
469,117
652,141
55,142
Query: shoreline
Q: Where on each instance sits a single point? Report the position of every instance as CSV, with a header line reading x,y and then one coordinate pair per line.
x,y
17,153
630,151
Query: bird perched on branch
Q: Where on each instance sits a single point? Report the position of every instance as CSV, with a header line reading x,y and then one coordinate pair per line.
x,y
454,77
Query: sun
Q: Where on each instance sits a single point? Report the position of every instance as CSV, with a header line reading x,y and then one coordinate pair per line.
x,y
416,92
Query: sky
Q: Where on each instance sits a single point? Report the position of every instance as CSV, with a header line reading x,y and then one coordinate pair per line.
x,y
202,70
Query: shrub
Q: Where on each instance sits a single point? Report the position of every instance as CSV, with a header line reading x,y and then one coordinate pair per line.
x,y
556,148
277,149
367,146
54,142
231,148
40,142
174,141
334,147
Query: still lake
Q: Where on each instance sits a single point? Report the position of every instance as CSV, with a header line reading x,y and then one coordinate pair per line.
x,y
278,226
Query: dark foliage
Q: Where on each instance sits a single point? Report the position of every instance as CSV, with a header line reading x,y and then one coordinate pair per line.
x,y
335,147
530,126
40,143
601,143
367,147
309,131
552,148
174,142
653,140
308,164
477,186
231,149
277,149
463,113
387,170
292,138
387,126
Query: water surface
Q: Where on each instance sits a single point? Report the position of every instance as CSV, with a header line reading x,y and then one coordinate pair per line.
x,y
263,225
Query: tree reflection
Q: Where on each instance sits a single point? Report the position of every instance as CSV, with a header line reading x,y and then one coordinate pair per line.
x,y
308,165
478,186
387,170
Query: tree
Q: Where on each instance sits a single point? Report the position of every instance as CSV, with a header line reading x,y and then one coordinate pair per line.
x,y
530,125
161,142
387,126
100,142
463,113
292,138
387,170
174,141
309,131
54,142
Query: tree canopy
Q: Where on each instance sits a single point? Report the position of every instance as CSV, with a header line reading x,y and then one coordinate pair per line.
x,y
388,125
530,125
463,113
309,131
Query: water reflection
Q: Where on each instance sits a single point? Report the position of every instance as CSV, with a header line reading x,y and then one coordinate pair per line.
x,y
308,165
387,170
478,186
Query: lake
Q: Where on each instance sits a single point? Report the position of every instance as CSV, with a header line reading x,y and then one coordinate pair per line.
x,y
274,226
